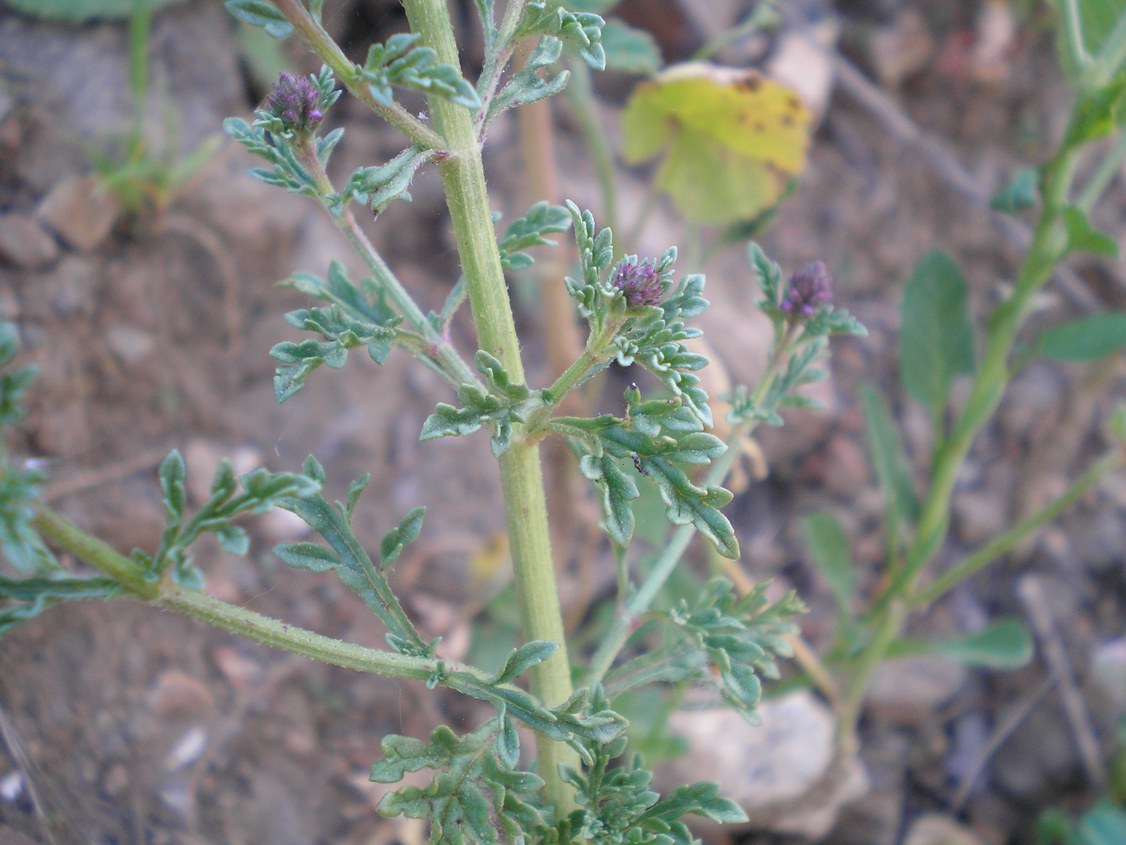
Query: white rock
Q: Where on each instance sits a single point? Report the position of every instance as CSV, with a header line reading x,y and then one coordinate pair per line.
x,y
780,762
939,830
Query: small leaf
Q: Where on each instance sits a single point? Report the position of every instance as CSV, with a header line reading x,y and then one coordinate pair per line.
x,y
1082,237
530,230
24,598
581,31
830,552
402,61
936,340
524,658
260,13
233,539
629,49
378,187
403,534
448,421
616,491
1086,339
1021,193
533,82
225,482
305,555
172,473
355,490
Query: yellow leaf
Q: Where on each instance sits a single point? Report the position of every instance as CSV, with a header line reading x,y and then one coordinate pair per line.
x,y
732,139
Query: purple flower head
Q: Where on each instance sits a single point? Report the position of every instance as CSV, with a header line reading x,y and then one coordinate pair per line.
x,y
638,281
294,101
809,287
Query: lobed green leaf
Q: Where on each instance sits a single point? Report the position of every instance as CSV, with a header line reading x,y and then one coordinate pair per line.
x,y
401,61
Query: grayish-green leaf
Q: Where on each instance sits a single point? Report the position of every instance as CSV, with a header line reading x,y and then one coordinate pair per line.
x,y
24,598
580,31
377,187
305,555
531,230
353,565
533,82
402,535
524,658
260,13
403,62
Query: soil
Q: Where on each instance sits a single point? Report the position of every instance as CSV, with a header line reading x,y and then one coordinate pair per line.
x,y
120,723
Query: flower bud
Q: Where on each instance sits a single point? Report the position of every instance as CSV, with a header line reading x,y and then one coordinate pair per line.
x,y
809,287
638,281
295,101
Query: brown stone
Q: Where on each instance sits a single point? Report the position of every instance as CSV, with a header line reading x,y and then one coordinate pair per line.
x,y
79,212
25,243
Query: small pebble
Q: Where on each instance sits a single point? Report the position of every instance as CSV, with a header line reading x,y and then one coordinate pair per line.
x,y
129,345
187,749
178,694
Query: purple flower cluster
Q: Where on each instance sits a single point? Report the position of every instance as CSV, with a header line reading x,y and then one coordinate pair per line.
x,y
638,281
294,101
809,287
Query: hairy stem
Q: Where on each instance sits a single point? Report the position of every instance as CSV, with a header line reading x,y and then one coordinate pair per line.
x,y
229,617
463,179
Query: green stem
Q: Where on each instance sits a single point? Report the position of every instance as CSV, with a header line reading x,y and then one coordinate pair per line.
x,y
266,630
321,43
229,617
463,179
1006,541
1048,248
93,551
281,635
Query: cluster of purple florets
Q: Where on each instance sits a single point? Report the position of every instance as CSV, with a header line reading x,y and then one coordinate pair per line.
x,y
295,101
809,288
638,282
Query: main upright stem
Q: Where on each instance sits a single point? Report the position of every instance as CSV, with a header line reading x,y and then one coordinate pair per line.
x,y
463,179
